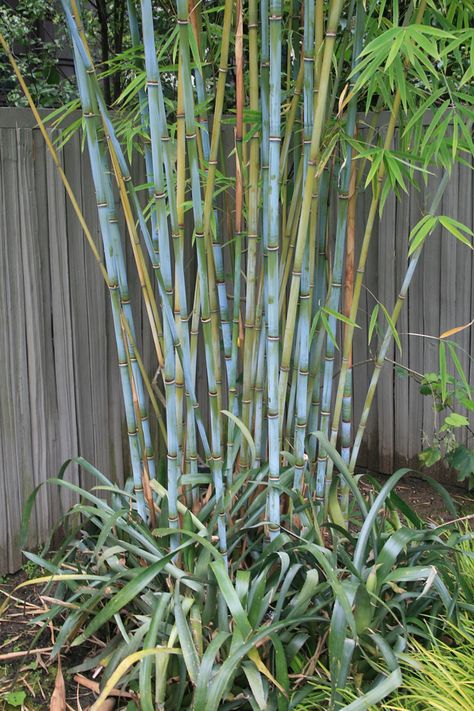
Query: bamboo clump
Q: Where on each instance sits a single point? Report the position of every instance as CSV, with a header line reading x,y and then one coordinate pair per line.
x,y
264,315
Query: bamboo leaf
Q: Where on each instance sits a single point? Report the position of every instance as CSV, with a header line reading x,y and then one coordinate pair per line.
x,y
246,433
392,327
421,230
328,329
373,322
459,368
456,229
340,317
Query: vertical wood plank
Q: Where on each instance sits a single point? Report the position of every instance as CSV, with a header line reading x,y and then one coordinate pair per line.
x,y
15,423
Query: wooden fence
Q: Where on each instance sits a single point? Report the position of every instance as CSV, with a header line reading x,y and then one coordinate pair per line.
x,y
59,384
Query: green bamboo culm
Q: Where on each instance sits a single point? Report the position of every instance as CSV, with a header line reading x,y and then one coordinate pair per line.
x,y
113,258
272,271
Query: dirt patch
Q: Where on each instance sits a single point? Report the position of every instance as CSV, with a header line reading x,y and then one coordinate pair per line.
x,y
27,672
427,501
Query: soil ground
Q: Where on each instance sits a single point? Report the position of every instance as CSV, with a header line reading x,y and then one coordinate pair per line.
x,y
427,502
27,673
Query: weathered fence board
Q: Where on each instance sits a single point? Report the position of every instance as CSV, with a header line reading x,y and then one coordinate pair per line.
x,y
59,383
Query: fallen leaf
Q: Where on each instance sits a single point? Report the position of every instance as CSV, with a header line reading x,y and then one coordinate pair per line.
x,y
95,687
58,699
